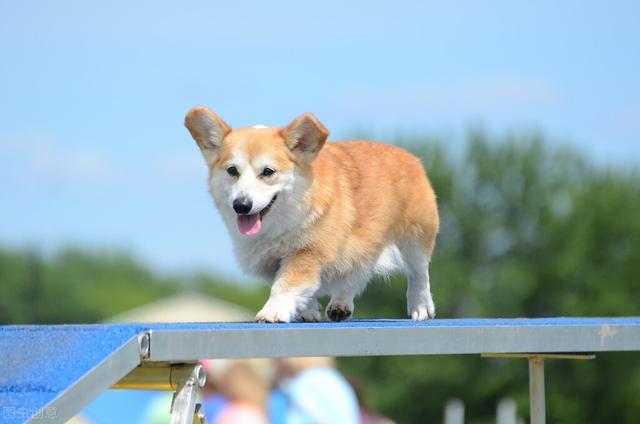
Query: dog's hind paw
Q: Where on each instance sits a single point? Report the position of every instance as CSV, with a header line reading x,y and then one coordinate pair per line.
x,y
421,311
338,312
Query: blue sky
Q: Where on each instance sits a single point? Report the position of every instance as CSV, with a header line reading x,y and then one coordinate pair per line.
x,y
92,97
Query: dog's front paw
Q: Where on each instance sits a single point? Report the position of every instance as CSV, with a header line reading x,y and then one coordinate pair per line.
x,y
420,307
311,313
275,313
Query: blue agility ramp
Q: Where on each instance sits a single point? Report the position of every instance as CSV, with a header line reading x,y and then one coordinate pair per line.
x,y
49,371
52,372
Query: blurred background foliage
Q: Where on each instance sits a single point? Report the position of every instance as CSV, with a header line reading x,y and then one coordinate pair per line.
x,y
527,230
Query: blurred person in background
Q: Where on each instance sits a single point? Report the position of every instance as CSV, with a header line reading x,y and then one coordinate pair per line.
x,y
213,402
311,390
246,395
235,393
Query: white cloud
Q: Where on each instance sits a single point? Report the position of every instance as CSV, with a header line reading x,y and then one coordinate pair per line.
x,y
42,158
477,98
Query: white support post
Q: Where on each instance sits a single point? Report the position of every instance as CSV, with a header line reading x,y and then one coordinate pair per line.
x,y
536,377
536,390
506,412
454,412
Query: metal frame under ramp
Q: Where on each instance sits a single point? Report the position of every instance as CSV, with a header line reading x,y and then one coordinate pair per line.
x,y
52,372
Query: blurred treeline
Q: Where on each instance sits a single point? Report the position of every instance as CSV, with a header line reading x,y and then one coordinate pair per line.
x,y
527,230
76,286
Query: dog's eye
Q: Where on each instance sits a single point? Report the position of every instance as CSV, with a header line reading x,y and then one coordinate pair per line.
x,y
267,172
233,171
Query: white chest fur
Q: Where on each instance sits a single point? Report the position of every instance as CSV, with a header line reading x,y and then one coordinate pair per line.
x,y
280,236
261,255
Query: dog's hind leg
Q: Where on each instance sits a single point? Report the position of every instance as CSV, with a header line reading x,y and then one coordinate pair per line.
x,y
416,258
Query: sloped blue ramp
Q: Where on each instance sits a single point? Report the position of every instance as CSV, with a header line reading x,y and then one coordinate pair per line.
x,y
49,372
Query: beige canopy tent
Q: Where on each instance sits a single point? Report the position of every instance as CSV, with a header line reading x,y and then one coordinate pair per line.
x,y
188,307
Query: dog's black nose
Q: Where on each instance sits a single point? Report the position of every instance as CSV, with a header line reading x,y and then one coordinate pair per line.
x,y
242,205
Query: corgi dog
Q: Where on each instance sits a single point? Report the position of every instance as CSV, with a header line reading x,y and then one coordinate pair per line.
x,y
316,218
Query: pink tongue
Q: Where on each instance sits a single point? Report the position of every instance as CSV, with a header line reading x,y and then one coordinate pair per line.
x,y
249,225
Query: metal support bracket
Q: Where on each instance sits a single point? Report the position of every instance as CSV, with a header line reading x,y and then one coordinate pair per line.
x,y
537,406
186,379
184,409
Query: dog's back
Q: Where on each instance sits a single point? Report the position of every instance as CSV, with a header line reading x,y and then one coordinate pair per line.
x,y
385,195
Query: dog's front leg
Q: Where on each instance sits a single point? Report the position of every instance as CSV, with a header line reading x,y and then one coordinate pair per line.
x,y
294,288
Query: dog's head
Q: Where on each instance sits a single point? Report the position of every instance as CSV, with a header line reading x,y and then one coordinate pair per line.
x,y
250,169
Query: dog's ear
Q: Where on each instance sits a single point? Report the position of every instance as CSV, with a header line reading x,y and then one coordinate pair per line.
x,y
305,136
207,129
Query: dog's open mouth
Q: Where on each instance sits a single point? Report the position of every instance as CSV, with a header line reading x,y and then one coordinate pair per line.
x,y
250,225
